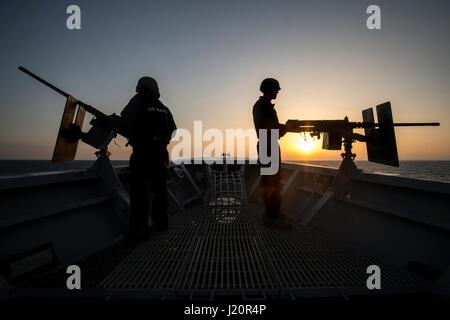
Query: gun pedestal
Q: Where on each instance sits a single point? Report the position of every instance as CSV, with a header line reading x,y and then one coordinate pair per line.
x,y
347,166
104,168
343,175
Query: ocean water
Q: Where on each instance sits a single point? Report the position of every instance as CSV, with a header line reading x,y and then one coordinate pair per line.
x,y
12,168
425,170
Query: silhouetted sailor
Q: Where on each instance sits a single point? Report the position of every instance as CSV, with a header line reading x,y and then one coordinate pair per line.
x,y
150,126
265,117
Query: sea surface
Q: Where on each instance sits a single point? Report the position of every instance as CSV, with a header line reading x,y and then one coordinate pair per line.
x,y
425,170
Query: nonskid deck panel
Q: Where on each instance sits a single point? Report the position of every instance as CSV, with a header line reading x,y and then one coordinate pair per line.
x,y
207,253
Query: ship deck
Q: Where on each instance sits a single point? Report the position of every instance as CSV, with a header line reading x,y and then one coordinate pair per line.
x,y
210,252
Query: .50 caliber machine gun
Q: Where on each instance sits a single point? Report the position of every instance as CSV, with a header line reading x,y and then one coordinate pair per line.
x,y
104,127
379,137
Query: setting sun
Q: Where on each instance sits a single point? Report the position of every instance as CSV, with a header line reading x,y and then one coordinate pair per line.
x,y
300,145
306,146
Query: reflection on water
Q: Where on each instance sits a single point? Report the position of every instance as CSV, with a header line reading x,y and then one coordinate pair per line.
x,y
425,170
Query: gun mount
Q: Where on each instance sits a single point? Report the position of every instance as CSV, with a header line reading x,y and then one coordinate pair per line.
x,y
379,137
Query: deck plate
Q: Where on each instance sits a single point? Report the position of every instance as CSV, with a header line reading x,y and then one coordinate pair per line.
x,y
203,255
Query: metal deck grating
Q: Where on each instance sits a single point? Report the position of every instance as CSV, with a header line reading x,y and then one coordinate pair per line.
x,y
156,264
208,251
305,259
227,256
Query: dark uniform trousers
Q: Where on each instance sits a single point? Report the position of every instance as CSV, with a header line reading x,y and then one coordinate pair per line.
x,y
270,190
148,174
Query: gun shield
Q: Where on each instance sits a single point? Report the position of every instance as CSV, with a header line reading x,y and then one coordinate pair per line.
x,y
381,143
65,149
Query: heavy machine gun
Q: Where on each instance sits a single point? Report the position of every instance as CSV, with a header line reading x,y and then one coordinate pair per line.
x,y
104,127
379,137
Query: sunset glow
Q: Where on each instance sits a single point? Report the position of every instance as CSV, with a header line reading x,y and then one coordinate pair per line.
x,y
299,146
306,145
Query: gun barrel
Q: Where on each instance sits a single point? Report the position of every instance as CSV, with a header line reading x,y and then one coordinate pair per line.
x,y
417,124
344,126
87,107
45,82
368,125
